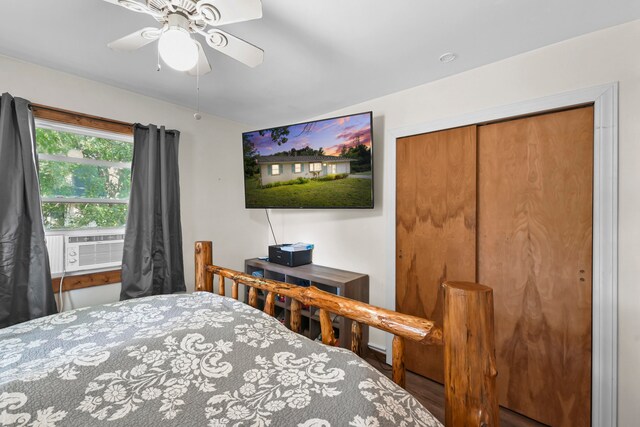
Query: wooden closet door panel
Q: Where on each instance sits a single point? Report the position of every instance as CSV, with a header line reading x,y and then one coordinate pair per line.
x,y
435,228
535,250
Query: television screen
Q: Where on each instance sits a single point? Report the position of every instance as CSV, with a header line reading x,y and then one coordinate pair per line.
x,y
322,164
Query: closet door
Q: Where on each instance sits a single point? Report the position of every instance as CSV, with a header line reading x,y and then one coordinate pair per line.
x,y
435,228
535,250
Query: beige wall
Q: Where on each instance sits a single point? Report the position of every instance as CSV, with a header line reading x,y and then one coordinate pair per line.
x,y
355,240
211,175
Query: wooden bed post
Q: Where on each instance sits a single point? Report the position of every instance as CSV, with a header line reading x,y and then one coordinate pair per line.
x,y
326,328
270,304
398,371
204,258
234,290
469,356
356,338
221,285
296,318
253,297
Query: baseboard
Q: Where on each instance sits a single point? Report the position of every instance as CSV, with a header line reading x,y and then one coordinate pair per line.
x,y
378,350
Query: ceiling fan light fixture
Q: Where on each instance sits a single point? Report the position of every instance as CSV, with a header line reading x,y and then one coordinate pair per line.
x,y
177,49
181,20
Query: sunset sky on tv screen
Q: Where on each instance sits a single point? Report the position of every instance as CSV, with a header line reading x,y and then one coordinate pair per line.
x,y
331,135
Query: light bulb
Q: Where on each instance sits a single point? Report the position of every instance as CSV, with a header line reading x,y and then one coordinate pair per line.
x,y
178,49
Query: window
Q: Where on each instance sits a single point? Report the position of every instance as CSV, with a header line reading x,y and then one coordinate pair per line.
x,y
297,167
315,167
275,169
85,176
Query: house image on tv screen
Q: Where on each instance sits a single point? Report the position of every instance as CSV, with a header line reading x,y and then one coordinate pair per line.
x,y
286,168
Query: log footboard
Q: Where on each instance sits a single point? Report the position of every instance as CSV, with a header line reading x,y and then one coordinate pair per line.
x,y
467,333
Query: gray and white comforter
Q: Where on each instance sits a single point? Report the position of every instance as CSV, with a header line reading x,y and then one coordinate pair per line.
x,y
188,360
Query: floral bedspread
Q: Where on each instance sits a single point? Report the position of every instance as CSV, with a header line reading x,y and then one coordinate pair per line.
x,y
188,360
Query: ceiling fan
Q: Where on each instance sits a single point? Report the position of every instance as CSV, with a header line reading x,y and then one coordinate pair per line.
x,y
181,19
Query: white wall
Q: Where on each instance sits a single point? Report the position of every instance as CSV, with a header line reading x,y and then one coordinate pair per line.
x,y
211,176
88,297
355,240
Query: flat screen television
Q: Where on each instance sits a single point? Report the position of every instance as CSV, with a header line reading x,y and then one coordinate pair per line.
x,y
314,165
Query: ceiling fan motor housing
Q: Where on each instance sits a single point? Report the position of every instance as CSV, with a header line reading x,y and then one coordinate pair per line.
x,y
163,6
178,21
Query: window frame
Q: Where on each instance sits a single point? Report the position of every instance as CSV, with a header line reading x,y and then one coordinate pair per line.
x,y
297,168
43,123
116,130
275,169
312,167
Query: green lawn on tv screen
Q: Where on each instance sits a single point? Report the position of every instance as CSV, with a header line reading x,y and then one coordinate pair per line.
x,y
350,192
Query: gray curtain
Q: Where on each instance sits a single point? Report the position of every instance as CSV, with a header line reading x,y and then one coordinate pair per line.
x,y
152,259
25,277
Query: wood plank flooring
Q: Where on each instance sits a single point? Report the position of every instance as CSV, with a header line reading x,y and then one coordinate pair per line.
x,y
431,395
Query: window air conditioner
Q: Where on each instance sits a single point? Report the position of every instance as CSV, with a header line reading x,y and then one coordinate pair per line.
x,y
93,251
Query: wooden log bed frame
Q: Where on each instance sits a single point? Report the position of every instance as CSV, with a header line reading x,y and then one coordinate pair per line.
x,y
467,333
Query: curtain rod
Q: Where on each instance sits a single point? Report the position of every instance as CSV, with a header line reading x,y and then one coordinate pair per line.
x,y
35,107
87,120
140,125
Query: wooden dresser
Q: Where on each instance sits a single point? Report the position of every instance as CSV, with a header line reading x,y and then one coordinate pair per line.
x,y
340,282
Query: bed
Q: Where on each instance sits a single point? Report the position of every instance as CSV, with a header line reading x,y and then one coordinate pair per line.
x,y
207,359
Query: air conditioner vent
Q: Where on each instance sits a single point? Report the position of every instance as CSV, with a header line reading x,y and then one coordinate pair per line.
x,y
98,238
55,248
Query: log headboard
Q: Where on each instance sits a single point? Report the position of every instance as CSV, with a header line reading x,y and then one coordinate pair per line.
x,y
467,333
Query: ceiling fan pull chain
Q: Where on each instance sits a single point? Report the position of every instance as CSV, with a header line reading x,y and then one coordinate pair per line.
x,y
197,115
158,52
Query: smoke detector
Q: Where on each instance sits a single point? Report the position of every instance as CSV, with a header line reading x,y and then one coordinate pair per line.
x,y
448,57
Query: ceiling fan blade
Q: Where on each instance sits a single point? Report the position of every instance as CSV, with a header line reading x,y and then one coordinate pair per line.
x,y
234,47
203,66
136,40
136,6
221,12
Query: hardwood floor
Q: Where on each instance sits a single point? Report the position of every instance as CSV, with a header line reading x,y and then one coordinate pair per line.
x,y
431,395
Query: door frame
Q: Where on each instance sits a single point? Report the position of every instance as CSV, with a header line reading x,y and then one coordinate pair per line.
x,y
604,352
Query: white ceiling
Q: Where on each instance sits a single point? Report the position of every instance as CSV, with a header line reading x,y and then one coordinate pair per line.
x,y
320,55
